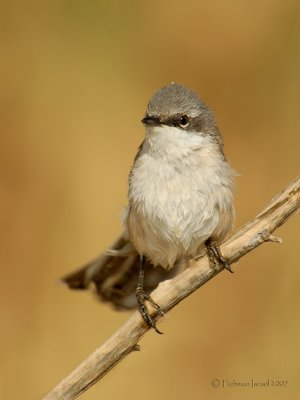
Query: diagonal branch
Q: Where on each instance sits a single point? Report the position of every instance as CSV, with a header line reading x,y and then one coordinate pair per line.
x,y
171,292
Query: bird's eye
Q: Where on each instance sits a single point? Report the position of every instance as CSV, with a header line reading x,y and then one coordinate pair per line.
x,y
184,121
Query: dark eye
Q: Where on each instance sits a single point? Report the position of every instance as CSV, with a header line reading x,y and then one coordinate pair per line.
x,y
184,121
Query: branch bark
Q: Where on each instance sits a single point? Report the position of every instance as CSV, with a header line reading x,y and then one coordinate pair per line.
x,y
171,292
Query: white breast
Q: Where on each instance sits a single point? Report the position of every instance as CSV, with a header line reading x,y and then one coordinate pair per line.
x,y
179,186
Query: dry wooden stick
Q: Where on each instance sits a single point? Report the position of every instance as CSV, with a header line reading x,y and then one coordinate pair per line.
x,y
171,292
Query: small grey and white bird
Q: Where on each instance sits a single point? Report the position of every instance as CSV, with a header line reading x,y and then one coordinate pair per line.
x,y
180,202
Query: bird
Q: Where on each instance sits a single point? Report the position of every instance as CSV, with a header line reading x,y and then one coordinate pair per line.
x,y
180,204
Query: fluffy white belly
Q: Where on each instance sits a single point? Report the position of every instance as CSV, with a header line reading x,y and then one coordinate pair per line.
x,y
176,203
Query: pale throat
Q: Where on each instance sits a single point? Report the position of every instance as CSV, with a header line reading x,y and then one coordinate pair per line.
x,y
175,145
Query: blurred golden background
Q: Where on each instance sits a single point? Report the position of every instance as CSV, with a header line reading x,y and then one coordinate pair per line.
x,y
75,81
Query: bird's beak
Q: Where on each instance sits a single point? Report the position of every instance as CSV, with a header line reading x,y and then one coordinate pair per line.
x,y
150,121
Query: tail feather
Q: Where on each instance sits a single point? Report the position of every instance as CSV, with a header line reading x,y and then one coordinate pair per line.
x,y
114,275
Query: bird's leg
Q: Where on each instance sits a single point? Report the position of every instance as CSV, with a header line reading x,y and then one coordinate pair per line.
x,y
143,297
215,256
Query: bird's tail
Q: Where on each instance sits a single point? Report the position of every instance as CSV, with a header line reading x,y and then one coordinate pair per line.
x,y
114,275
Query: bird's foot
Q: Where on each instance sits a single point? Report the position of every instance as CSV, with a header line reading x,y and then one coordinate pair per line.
x,y
215,256
142,299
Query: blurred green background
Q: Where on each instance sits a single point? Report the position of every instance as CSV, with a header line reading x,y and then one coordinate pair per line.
x,y
75,81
